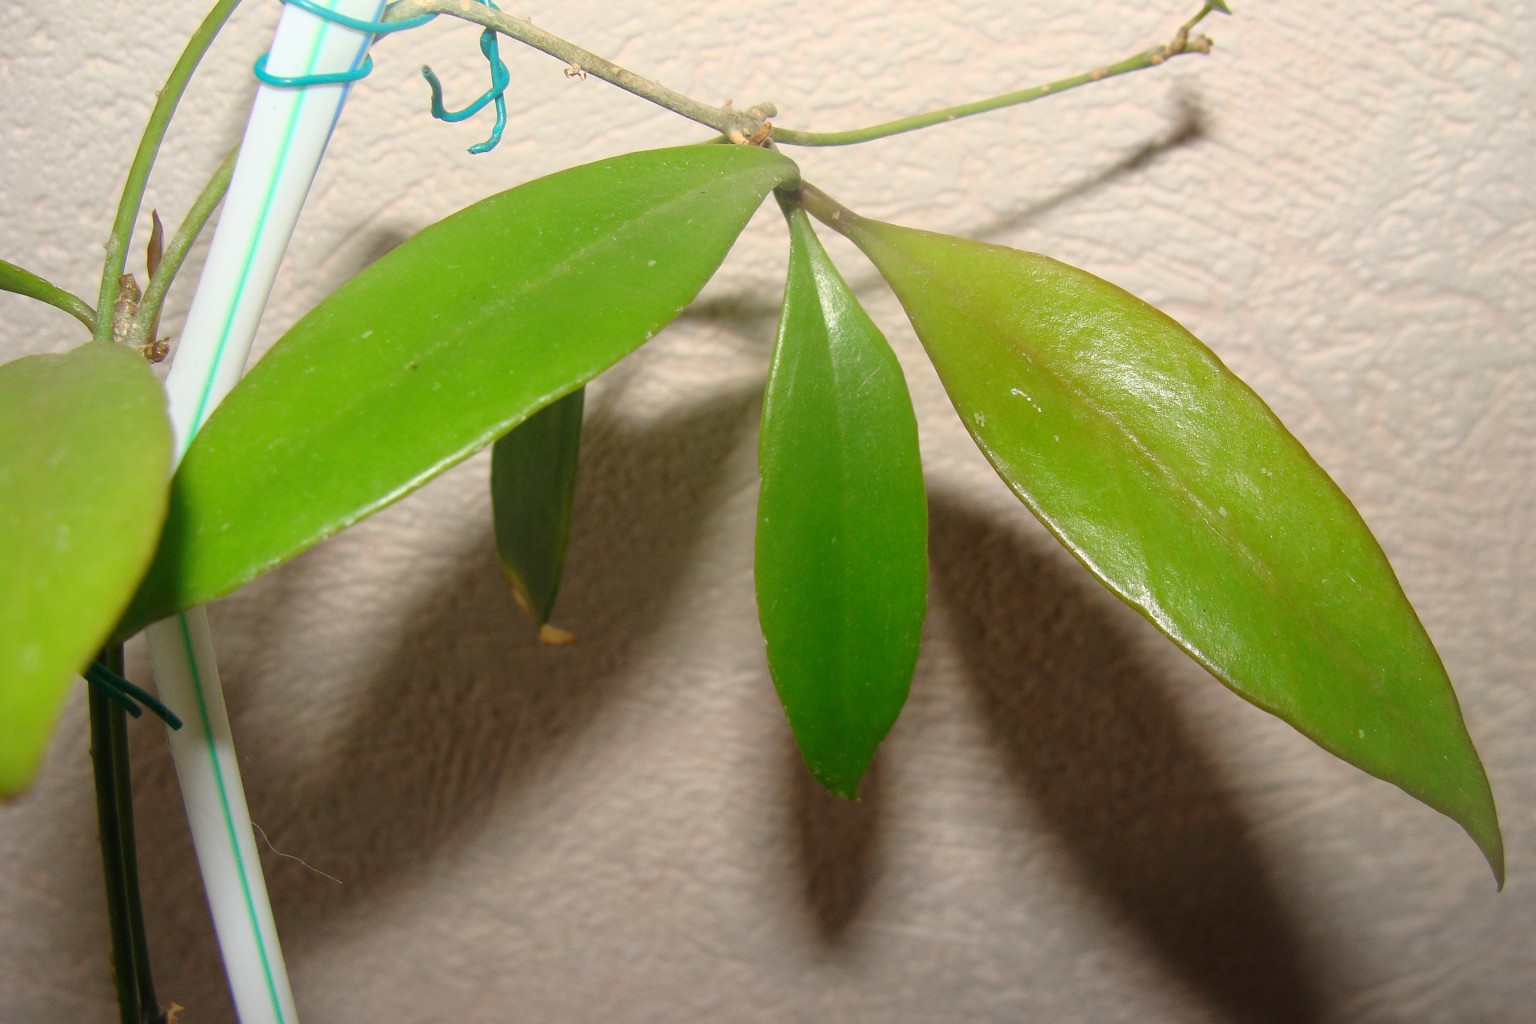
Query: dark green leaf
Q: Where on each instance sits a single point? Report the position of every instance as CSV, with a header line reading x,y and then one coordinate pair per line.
x,y
842,522
533,479
442,346
1179,489
85,460
24,282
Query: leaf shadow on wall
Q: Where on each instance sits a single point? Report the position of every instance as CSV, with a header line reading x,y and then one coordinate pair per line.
x,y
836,844
1095,746
486,721
836,841
466,708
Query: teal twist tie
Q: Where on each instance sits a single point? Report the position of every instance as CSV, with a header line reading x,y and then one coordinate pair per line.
x,y
347,21
501,77
378,28
300,81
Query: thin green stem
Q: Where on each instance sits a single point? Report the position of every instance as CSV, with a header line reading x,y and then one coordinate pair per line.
x,y
124,973
144,159
1210,7
722,119
137,1003
1151,57
150,1011
821,206
24,282
119,859
142,330
751,124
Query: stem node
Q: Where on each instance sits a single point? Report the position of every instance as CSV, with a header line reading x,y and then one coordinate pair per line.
x,y
746,127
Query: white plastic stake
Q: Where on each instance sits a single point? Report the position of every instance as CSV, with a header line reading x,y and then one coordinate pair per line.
x,y
284,142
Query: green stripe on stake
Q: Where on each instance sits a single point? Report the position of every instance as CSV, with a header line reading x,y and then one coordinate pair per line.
x,y
206,397
206,721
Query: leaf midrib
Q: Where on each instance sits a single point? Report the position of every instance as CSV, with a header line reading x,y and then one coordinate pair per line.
x,y
346,410
1218,525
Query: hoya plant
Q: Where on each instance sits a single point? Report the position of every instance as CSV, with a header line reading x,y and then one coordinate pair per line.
x,y
1170,480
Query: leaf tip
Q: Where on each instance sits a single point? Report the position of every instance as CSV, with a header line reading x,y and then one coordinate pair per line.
x,y
538,611
554,636
841,780
1492,846
1478,817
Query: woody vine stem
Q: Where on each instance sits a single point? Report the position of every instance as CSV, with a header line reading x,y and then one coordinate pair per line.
x,y
753,124
742,126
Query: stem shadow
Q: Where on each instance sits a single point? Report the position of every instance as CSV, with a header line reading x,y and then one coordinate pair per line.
x,y
1189,125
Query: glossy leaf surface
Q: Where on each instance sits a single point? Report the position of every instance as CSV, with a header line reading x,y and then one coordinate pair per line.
x,y
85,459
533,481
442,346
1180,490
842,522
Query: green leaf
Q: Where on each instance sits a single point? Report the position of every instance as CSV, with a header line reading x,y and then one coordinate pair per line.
x,y
440,347
85,461
842,522
1179,489
533,479
24,282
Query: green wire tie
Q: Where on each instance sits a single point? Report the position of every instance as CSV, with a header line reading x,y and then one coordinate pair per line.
x,y
125,694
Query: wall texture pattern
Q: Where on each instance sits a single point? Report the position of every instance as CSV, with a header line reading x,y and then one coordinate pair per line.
x,y
1071,822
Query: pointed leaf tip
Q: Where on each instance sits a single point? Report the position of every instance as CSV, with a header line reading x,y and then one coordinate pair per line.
x,y
533,485
1181,491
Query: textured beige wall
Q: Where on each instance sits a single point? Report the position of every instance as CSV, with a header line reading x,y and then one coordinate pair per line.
x,y
1071,822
